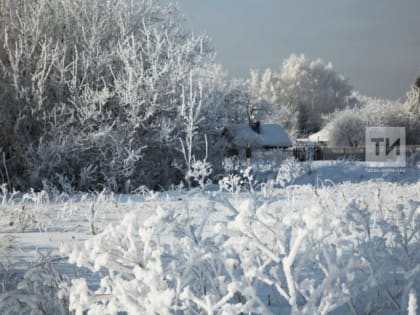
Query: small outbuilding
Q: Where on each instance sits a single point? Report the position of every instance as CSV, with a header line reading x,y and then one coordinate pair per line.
x,y
247,139
322,136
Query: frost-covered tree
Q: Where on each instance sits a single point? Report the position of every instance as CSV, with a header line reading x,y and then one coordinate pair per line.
x,y
254,100
413,98
99,92
413,107
245,101
301,93
347,129
379,112
287,116
235,101
314,87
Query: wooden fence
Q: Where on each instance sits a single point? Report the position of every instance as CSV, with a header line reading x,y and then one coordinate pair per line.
x,y
358,154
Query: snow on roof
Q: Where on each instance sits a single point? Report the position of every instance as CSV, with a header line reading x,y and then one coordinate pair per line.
x,y
275,136
271,135
321,136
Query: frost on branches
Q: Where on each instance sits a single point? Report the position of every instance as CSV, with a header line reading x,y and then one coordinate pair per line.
x,y
149,273
339,249
346,127
40,290
101,92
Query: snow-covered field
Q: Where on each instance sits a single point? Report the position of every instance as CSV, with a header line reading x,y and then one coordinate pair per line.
x,y
321,238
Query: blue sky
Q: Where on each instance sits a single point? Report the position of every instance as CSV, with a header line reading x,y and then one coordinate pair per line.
x,y
375,43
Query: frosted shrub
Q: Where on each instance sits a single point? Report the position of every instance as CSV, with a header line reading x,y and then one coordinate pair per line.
x,y
235,182
305,250
22,218
230,164
347,126
290,170
231,183
317,270
199,172
41,290
391,247
273,250
26,212
148,274
347,129
134,268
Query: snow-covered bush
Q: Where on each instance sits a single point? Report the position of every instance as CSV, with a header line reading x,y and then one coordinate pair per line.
x,y
315,269
347,248
148,273
199,172
41,290
413,105
237,181
24,211
289,170
347,129
231,183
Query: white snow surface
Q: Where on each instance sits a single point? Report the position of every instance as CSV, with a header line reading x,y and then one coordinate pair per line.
x,y
271,135
328,238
